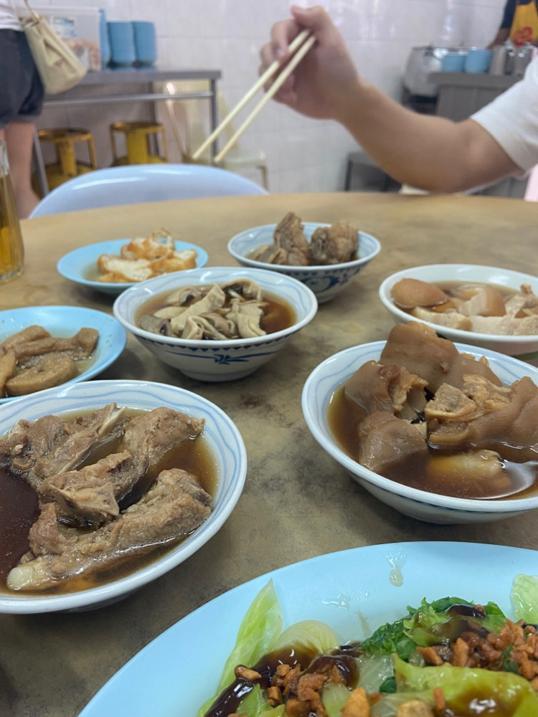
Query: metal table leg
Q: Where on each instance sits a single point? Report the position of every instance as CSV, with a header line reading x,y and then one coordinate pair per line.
x,y
40,166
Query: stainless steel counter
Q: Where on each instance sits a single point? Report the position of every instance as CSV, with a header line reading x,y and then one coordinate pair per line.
x,y
126,80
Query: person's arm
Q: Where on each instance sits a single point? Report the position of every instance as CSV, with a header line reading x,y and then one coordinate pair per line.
x,y
427,152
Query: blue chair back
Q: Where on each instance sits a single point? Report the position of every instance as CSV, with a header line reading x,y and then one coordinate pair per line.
x,y
140,183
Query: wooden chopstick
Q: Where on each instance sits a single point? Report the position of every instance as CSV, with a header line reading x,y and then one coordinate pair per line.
x,y
269,72
277,84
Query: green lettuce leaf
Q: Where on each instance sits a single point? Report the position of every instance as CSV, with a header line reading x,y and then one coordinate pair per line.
x,y
374,671
256,637
334,697
525,598
495,617
389,639
310,635
426,625
512,693
275,711
255,704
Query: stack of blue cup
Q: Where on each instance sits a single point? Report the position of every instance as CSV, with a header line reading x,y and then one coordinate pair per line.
x,y
132,43
145,43
122,47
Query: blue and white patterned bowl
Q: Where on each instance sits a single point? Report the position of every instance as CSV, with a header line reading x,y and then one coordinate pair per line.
x,y
220,432
64,321
420,504
325,281
216,360
80,265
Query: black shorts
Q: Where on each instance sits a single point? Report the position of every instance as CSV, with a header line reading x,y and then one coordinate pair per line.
x,y
21,91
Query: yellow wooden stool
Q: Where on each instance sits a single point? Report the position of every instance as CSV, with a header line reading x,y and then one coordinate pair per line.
x,y
67,166
139,138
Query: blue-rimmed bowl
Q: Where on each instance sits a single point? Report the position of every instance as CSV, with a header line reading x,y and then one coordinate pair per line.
x,y
332,373
524,346
325,281
224,441
80,265
216,360
64,321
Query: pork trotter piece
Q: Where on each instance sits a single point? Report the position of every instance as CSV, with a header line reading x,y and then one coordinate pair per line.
x,y
385,440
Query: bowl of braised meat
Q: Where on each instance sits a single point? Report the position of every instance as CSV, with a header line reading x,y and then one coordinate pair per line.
x,y
216,324
323,256
105,486
486,306
443,432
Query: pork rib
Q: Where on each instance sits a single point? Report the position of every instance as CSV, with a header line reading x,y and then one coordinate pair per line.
x,y
171,509
35,450
94,491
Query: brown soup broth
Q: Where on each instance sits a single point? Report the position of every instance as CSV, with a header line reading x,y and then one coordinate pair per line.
x,y
19,509
520,479
278,314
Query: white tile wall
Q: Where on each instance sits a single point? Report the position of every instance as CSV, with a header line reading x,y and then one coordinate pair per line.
x,y
303,155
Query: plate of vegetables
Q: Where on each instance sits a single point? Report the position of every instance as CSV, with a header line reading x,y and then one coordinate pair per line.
x,y
424,629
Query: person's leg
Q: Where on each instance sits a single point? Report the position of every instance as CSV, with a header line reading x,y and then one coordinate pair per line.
x,y
19,138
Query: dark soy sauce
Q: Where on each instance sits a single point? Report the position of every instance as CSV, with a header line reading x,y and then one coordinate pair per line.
x,y
343,659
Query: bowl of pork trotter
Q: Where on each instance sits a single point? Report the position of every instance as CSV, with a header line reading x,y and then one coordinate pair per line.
x,y
219,323
323,256
442,432
107,485
485,306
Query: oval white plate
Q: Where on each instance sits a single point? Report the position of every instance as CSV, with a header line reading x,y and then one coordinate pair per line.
x,y
177,672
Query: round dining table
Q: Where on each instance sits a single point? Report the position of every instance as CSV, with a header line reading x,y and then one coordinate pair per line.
x,y
297,501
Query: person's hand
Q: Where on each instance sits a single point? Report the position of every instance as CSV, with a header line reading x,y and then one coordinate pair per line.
x,y
322,82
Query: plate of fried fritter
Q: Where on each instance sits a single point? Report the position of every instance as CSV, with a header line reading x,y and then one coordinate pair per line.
x,y
113,266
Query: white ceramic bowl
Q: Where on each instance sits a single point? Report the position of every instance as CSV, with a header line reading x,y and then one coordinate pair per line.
x,y
325,281
216,360
511,345
430,507
220,432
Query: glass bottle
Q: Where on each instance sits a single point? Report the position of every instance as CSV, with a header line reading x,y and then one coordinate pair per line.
x,y
11,248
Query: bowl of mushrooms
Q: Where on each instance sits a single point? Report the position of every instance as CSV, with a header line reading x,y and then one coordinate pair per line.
x,y
216,324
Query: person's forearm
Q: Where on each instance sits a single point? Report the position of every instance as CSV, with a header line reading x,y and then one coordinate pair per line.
x,y
424,151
